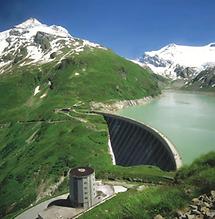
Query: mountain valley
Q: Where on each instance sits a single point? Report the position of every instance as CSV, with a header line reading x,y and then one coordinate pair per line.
x,y
49,81
45,125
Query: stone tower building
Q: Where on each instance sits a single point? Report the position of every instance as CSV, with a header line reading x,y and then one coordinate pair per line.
x,y
82,187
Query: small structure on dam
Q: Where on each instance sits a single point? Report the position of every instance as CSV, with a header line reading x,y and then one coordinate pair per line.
x,y
134,143
82,187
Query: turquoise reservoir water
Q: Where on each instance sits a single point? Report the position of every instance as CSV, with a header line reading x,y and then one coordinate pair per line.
x,y
187,119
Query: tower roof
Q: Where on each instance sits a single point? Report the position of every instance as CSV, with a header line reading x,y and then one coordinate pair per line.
x,y
81,171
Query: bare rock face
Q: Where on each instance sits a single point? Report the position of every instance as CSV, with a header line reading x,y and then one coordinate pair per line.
x,y
114,107
205,79
202,207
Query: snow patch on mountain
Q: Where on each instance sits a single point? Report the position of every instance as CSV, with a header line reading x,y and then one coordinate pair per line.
x,y
3,44
36,90
44,95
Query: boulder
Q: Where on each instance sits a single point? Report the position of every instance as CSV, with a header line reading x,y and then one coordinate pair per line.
x,y
204,210
158,216
213,194
206,204
179,213
194,207
195,201
195,211
190,216
210,214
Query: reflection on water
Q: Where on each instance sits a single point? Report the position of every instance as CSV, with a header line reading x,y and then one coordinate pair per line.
x,y
187,119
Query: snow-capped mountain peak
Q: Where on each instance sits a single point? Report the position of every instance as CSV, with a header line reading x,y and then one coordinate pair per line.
x,y
32,25
33,42
172,59
31,22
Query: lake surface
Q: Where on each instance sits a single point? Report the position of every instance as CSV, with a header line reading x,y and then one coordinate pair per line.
x,y
186,118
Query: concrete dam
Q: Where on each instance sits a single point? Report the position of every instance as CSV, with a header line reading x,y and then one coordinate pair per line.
x,y
134,143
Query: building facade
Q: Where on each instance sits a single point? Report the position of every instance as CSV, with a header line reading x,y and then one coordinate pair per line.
x,y
82,187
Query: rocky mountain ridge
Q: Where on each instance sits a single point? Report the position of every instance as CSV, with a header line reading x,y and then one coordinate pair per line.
x,y
32,42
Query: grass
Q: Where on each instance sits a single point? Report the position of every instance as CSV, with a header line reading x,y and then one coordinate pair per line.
x,y
147,174
38,145
200,175
190,181
141,204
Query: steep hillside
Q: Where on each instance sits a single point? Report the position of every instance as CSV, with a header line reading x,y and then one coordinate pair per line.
x,y
45,127
168,201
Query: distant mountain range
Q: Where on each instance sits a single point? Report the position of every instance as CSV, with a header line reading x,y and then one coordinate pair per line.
x,y
32,42
185,62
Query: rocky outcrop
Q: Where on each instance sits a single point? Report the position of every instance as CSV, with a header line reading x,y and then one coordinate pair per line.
x,y
113,107
184,72
205,79
159,217
43,39
202,207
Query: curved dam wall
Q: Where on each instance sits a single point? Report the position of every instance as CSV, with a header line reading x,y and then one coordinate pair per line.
x,y
134,143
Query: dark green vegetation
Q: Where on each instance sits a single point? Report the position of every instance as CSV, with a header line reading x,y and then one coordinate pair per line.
x,y
200,175
39,142
140,204
190,181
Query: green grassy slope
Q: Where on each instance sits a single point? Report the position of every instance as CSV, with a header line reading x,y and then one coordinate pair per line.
x,y
103,76
190,182
39,143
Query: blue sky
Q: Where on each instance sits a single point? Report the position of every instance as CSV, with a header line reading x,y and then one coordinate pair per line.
x,y
129,27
